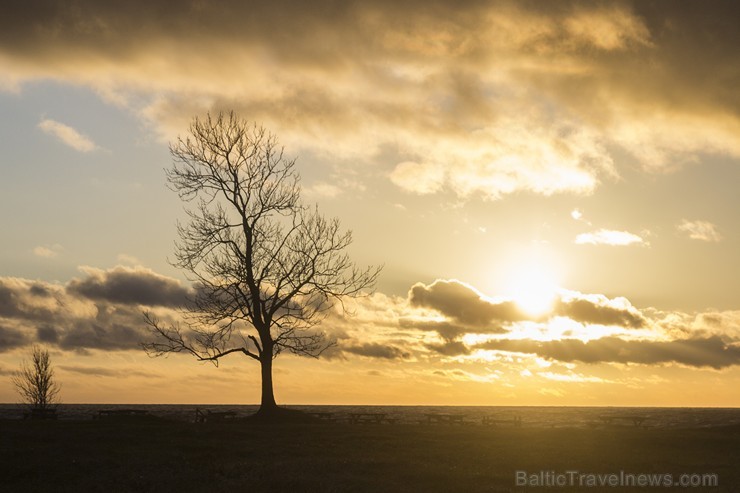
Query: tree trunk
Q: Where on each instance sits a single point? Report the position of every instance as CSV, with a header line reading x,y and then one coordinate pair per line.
x,y
267,404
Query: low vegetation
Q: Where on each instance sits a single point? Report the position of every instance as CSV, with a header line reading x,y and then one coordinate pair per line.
x,y
157,455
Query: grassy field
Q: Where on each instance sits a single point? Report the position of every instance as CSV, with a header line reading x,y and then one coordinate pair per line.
x,y
155,455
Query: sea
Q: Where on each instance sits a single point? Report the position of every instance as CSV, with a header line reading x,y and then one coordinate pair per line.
x,y
530,416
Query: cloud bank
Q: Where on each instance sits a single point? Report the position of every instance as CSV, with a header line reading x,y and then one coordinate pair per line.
x,y
476,98
129,286
465,306
710,352
446,319
103,310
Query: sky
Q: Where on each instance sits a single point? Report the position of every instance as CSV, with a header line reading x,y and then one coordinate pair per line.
x,y
551,188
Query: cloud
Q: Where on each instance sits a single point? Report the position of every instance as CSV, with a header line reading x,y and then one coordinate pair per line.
x,y
469,311
449,348
47,333
700,230
570,377
617,31
375,350
463,303
77,317
446,330
40,251
130,286
23,299
46,251
105,372
99,313
325,190
12,338
720,323
533,155
598,309
485,98
609,237
8,303
67,135
418,177
116,329
710,352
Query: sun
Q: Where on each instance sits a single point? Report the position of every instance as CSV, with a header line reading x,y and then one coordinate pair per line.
x,y
532,285
531,276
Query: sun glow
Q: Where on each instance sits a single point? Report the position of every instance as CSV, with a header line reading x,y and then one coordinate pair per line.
x,y
532,282
534,290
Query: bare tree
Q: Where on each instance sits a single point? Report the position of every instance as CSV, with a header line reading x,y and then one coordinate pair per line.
x,y
35,381
266,268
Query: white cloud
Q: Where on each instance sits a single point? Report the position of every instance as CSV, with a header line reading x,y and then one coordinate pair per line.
x,y
609,237
323,189
526,154
67,135
47,251
571,377
421,178
700,230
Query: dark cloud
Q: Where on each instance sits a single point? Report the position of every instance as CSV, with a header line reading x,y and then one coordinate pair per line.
x,y
8,301
463,304
590,312
12,338
127,285
447,330
710,352
293,30
96,371
695,40
375,350
39,290
449,348
105,337
95,313
114,327
23,299
47,334
105,372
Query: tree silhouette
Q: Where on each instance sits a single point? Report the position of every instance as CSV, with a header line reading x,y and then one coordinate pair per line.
x,y
35,381
265,267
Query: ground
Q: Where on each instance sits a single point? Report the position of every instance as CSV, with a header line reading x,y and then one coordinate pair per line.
x,y
158,455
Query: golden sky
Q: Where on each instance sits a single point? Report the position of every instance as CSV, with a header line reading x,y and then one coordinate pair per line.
x,y
551,187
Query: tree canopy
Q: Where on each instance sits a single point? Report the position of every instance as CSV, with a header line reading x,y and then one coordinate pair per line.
x,y
265,267
35,381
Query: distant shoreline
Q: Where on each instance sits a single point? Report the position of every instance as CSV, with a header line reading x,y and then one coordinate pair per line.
x,y
527,416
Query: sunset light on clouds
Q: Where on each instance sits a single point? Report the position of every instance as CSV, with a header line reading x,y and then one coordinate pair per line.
x,y
551,188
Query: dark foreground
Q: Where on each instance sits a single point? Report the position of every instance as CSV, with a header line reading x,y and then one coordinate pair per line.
x,y
158,455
